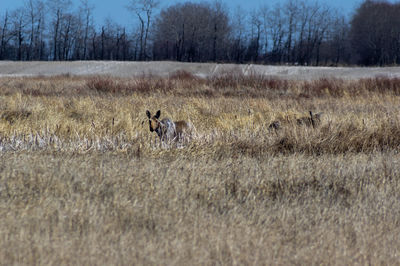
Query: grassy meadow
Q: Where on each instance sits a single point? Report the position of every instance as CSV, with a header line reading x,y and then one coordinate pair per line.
x,y
84,181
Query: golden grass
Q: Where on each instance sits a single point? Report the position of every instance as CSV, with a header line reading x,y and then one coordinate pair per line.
x,y
83,181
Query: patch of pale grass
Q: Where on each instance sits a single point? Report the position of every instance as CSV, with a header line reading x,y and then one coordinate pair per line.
x,y
175,208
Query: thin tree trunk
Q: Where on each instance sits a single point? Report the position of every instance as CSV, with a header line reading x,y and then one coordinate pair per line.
x,y
56,28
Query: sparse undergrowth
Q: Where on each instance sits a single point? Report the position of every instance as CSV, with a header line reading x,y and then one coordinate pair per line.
x,y
83,181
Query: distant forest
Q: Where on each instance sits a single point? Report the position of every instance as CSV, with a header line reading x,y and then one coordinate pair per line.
x,y
294,32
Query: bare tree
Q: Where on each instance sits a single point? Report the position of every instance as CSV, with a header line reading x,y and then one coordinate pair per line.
x,y
323,21
143,9
375,33
5,35
239,38
264,14
313,22
276,24
86,20
68,36
306,15
19,31
33,13
254,46
337,42
291,11
57,9
191,32
220,24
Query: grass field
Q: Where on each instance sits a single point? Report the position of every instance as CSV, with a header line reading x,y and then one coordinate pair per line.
x,y
84,181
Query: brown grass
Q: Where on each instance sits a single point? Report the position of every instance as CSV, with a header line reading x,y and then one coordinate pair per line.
x,y
83,181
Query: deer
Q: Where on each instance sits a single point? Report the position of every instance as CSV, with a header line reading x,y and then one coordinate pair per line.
x,y
314,120
168,130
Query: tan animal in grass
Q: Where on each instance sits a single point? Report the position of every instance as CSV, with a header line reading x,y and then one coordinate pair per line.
x,y
169,130
313,120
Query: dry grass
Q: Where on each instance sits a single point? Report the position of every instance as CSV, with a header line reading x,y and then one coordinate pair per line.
x,y
82,180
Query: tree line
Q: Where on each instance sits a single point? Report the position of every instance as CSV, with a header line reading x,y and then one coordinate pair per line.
x,y
296,32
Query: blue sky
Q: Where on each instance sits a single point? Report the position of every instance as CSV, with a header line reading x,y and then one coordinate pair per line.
x,y
116,10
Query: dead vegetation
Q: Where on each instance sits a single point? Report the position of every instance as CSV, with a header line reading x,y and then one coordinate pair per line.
x,y
83,181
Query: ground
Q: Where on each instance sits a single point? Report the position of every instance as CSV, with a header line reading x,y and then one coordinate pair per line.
x,y
164,68
84,181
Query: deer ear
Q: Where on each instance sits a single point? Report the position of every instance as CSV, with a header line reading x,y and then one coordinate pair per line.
x,y
148,114
158,114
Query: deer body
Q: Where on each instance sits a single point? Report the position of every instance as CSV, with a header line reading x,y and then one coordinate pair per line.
x,y
312,120
183,129
168,130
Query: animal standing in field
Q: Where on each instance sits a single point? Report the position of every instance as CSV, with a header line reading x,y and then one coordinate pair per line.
x,y
167,129
312,120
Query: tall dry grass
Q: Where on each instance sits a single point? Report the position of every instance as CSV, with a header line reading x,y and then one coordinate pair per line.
x,y
83,181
